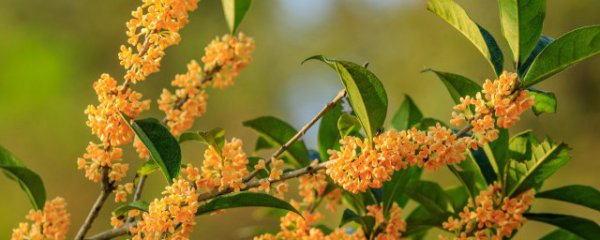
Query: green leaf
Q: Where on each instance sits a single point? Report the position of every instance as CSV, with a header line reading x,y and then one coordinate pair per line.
x,y
547,159
431,196
235,10
214,137
521,146
29,181
147,168
541,44
244,199
395,189
458,86
366,222
324,229
497,153
348,124
459,196
125,208
577,194
560,234
407,115
277,133
456,16
365,92
566,51
582,227
545,102
522,22
163,147
426,123
262,144
329,136
469,174
420,220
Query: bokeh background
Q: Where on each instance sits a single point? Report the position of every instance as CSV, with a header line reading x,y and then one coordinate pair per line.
x,y
52,51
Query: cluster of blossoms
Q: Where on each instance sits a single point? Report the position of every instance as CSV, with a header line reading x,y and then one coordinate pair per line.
x,y
98,158
50,223
491,211
122,191
156,23
391,228
224,169
223,60
172,216
275,172
495,100
362,164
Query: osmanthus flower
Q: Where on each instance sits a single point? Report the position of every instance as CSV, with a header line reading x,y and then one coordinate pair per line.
x,y
97,157
154,26
170,217
104,119
490,211
122,191
393,227
141,149
52,222
225,57
312,186
224,169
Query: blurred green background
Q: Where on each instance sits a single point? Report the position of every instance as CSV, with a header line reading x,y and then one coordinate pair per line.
x,y
52,51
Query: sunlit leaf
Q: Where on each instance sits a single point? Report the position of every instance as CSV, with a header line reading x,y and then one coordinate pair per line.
x,y
125,208
348,124
582,227
522,22
235,10
407,115
244,199
578,194
560,234
545,102
329,136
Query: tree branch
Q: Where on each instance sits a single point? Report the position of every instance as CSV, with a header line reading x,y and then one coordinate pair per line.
x,y
107,188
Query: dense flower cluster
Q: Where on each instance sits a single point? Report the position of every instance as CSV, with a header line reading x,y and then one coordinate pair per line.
x,y
172,216
223,60
50,223
98,158
154,26
498,99
122,191
393,227
491,211
224,169
362,164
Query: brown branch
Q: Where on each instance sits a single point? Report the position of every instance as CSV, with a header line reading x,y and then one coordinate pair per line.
x,y
107,188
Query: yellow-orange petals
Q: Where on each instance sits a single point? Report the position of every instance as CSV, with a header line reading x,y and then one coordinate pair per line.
x,y
50,223
188,102
360,164
312,186
122,191
104,119
499,100
393,227
154,26
491,212
172,216
97,157
225,57
141,149
226,169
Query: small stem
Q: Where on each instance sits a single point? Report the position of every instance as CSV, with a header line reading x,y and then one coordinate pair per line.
x,y
138,193
107,188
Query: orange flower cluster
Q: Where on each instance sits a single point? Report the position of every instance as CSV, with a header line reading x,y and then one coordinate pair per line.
x,y
122,191
224,169
392,227
225,57
172,216
491,212
97,157
276,170
158,24
223,60
50,223
312,186
361,164
497,99
141,149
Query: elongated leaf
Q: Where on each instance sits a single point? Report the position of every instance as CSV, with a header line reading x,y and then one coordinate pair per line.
x,y
365,92
577,194
420,220
277,133
395,189
329,136
486,165
541,44
366,222
571,48
262,144
545,102
497,153
431,196
407,115
456,16
458,86
459,195
244,199
582,227
214,137
29,181
125,208
560,234
522,22
163,147
235,10
469,174
530,174
521,146
426,123
348,124
147,168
